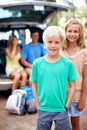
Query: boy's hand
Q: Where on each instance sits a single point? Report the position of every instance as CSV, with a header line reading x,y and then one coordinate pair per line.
x,y
37,105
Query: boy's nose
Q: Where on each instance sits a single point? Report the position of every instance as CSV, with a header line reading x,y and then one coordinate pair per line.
x,y
53,44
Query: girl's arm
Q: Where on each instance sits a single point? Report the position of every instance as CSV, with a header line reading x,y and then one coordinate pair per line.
x,y
11,54
34,88
81,103
71,94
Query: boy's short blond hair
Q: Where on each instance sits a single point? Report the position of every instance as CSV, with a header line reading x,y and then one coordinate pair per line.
x,y
53,31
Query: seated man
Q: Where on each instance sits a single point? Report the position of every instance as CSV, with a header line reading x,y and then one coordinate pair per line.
x,y
32,51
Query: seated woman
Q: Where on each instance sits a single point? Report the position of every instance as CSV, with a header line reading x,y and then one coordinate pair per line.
x,y
13,68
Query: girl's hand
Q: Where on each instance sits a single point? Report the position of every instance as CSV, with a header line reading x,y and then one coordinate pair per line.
x,y
81,105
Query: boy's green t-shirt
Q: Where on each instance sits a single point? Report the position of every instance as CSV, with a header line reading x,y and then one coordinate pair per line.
x,y
52,79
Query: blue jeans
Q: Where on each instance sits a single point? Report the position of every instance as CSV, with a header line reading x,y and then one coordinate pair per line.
x,y
45,120
73,111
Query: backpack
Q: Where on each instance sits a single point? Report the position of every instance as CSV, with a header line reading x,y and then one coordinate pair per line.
x,y
29,92
16,102
29,101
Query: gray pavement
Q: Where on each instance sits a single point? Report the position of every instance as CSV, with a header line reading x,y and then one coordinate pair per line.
x,y
26,122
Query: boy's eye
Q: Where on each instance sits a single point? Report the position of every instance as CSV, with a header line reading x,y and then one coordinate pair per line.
x,y
50,42
57,42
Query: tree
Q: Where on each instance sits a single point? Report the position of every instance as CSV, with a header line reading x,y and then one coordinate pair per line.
x,y
60,18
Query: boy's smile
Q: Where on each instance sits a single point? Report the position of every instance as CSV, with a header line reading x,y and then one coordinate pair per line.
x,y
53,46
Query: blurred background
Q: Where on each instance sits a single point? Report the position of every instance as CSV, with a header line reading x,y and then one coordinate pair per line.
x,y
76,9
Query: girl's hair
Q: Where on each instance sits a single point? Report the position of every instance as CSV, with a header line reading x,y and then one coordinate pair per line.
x,y
53,31
80,41
11,38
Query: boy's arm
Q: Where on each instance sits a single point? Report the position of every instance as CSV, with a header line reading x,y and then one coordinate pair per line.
x,y
34,88
71,94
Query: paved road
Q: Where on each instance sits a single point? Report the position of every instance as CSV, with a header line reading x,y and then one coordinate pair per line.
x,y
26,122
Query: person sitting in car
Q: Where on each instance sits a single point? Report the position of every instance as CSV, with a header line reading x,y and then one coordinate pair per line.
x,y
32,51
13,68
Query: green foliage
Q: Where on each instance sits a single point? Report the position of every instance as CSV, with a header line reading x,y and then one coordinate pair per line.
x,y
61,17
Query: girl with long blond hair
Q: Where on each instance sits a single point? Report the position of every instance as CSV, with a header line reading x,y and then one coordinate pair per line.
x,y
75,49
